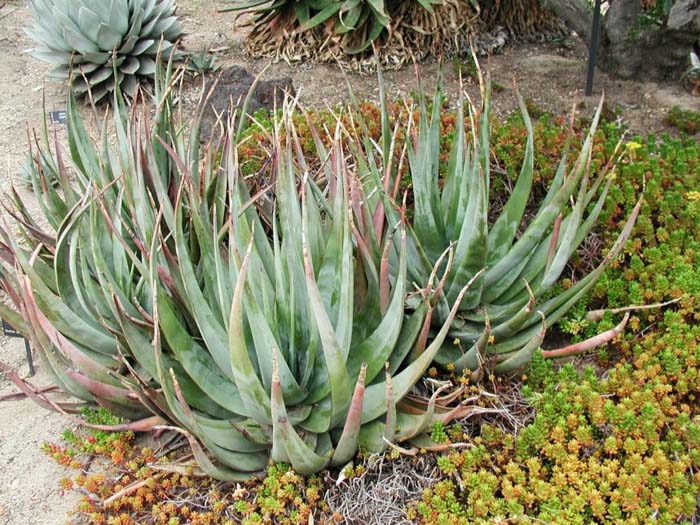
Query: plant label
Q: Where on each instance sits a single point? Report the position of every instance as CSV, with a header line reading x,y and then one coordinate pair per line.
x,y
9,330
59,116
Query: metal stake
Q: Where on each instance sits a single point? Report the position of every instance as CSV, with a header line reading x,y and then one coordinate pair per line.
x,y
30,360
593,48
10,331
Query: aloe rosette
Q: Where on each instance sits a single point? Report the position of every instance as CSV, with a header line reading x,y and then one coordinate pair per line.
x,y
403,31
98,44
292,347
514,260
166,295
360,22
348,29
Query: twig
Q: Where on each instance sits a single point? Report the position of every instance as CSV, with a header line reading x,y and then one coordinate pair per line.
x,y
588,344
173,442
18,396
142,425
8,13
448,446
131,488
597,315
404,451
173,448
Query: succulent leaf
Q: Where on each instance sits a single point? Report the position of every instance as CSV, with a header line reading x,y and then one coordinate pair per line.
x,y
497,317
163,284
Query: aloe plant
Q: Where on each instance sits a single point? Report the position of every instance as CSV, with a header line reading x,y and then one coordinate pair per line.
x,y
355,24
515,260
691,76
169,294
98,44
166,295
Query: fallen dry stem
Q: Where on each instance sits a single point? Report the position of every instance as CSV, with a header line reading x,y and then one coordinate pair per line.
x,y
597,315
18,396
588,344
132,487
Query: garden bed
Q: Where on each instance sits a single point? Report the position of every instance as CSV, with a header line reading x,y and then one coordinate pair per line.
x,y
547,74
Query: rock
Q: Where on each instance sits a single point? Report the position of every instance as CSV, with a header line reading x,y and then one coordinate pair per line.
x,y
669,96
233,86
651,53
547,63
685,16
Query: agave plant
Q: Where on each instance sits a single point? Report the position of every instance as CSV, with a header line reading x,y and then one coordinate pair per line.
x,y
512,263
98,44
166,296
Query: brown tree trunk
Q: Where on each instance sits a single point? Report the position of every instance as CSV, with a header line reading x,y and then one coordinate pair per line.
x,y
575,13
629,50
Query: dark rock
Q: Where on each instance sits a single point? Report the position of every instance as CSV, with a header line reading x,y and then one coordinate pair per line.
x,y
232,87
630,50
685,16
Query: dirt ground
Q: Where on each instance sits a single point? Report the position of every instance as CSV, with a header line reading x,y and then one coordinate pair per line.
x,y
552,76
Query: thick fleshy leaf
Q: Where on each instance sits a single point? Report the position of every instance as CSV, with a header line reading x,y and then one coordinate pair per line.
x,y
333,353
348,442
303,458
522,356
506,226
255,399
375,395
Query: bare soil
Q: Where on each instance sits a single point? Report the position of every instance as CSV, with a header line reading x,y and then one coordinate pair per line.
x,y
551,75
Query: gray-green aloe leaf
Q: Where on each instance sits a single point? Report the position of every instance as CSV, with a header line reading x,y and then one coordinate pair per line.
x,y
521,256
161,286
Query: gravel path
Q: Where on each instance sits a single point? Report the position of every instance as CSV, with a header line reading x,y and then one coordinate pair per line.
x,y
29,494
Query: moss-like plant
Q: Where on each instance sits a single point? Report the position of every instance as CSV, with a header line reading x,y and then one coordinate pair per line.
x,y
685,120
